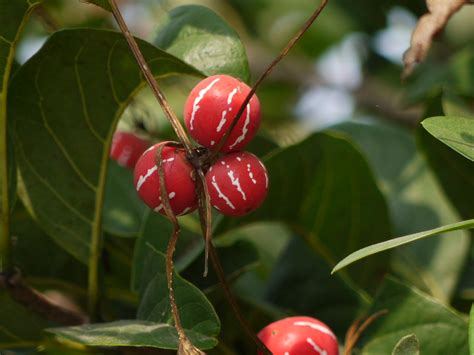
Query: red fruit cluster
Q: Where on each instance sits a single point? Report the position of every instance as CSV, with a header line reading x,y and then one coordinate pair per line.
x,y
299,336
238,181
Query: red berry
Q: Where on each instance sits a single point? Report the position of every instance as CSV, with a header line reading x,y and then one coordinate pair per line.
x,y
211,107
178,180
299,336
237,183
127,148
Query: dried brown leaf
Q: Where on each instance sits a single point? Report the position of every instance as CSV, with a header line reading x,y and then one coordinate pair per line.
x,y
440,11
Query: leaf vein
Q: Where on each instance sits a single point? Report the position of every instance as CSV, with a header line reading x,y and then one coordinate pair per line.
x,y
83,97
56,139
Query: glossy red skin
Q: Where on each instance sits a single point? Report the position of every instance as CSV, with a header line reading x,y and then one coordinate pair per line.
x,y
214,102
178,180
234,171
127,148
299,336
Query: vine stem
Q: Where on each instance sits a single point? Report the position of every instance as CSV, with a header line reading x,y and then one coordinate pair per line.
x,y
185,345
155,88
266,73
355,331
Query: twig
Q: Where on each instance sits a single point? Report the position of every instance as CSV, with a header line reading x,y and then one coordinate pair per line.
x,y
185,345
155,88
267,72
205,214
355,332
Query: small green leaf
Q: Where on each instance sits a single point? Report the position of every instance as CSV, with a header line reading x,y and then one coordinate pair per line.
x,y
123,209
204,40
324,189
408,345
439,329
471,330
393,243
455,132
66,102
133,333
197,313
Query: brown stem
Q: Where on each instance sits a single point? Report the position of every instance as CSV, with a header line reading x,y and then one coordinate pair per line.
x,y
155,88
353,337
37,302
267,72
185,345
205,215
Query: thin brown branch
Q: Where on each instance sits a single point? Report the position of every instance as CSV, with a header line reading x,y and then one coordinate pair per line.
x,y
185,345
155,88
38,303
267,72
352,340
205,214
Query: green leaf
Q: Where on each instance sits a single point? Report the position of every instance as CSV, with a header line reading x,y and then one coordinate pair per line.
x,y
102,3
204,40
324,189
300,271
66,102
471,330
454,172
195,310
123,209
19,327
396,242
416,203
408,345
439,329
197,313
455,132
133,333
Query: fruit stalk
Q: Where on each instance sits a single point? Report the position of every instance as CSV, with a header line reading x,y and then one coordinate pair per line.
x,y
185,345
267,72
155,88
